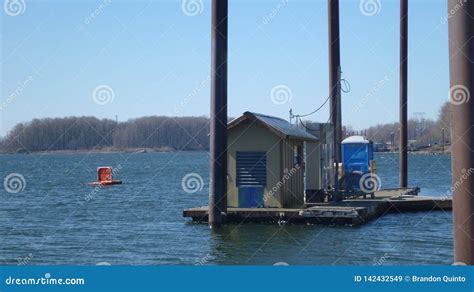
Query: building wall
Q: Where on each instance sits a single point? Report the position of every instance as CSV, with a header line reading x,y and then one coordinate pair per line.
x,y
248,136
313,166
326,164
292,194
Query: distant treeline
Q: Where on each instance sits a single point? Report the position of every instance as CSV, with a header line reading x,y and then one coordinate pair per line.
x,y
424,131
173,133
90,133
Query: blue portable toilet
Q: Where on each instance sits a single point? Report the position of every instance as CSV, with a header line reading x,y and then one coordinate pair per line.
x,y
357,157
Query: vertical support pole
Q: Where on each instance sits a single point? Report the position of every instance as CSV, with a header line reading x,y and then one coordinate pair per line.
x,y
442,140
392,134
334,74
403,93
334,84
461,56
218,121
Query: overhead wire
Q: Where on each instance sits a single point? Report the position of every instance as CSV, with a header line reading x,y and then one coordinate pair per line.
x,y
345,87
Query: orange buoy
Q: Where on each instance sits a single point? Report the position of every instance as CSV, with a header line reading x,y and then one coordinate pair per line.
x,y
105,176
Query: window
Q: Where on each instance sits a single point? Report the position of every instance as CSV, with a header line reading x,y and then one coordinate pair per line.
x,y
251,168
298,155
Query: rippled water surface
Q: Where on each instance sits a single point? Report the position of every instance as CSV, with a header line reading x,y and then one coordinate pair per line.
x,y
58,219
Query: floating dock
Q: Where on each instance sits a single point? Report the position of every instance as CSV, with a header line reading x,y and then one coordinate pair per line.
x,y
347,212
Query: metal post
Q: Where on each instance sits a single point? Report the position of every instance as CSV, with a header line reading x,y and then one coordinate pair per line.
x,y
334,84
218,121
461,54
392,142
403,92
334,72
442,140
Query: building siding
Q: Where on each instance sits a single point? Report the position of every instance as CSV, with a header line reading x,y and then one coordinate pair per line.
x,y
250,136
292,174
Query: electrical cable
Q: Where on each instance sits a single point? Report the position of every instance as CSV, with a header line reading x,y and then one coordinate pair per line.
x,y
346,89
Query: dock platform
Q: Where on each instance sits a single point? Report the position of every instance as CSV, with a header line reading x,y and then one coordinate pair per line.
x,y
347,212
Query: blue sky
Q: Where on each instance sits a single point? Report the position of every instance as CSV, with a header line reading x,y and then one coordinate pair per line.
x,y
154,58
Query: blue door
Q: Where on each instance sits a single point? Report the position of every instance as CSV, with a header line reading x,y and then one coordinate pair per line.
x,y
251,178
250,197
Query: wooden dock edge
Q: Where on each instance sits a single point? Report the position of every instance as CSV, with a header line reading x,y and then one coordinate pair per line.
x,y
350,212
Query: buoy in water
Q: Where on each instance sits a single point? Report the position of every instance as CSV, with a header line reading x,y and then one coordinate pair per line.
x,y
105,176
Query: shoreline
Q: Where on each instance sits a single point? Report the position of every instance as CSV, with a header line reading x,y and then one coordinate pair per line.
x,y
105,151
419,152
165,150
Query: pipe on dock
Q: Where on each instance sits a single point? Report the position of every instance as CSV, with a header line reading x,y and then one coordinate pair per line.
x,y
218,120
403,93
461,61
334,85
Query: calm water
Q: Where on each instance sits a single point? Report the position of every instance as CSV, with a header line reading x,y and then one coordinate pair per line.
x,y
58,219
